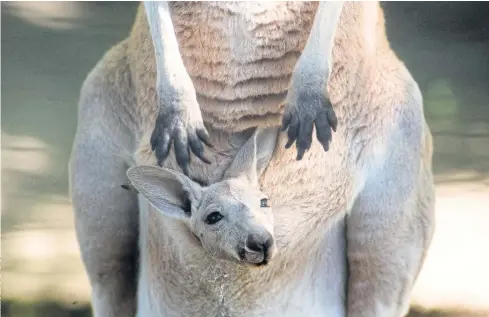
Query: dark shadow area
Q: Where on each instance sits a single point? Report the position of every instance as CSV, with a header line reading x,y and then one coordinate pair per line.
x,y
44,309
445,46
53,309
419,312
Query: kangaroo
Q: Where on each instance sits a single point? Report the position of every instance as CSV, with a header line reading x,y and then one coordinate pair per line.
x,y
231,219
352,224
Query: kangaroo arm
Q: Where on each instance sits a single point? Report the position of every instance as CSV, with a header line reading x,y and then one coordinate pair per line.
x,y
314,64
171,74
307,99
179,119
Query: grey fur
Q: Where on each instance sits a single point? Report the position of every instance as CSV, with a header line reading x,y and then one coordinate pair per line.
x,y
368,201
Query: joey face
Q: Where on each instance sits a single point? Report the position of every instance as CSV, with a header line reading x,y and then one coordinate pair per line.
x,y
234,221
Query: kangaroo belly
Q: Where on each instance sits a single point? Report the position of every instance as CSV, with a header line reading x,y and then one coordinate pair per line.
x,y
240,56
305,278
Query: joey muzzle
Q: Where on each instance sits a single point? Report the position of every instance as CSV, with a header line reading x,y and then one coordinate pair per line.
x,y
258,249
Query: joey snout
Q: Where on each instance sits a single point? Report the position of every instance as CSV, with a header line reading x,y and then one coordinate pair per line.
x,y
258,249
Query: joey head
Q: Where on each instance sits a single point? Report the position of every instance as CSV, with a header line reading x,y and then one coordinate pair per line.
x,y
232,219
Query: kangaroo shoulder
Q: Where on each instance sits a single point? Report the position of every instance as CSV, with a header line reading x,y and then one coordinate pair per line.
x,y
109,83
398,102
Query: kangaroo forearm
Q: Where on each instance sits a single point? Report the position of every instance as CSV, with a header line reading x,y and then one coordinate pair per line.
x,y
307,100
314,65
179,121
173,83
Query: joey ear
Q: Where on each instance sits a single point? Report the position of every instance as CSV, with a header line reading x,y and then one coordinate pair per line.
x,y
254,156
168,191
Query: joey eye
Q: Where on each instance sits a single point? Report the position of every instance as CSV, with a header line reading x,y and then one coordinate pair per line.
x,y
213,217
264,203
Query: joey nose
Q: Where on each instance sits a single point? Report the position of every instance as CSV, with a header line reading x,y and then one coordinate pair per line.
x,y
260,243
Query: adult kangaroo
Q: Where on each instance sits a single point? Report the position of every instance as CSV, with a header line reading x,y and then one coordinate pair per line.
x,y
352,224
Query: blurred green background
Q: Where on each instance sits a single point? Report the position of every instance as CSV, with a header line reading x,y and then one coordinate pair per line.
x,y
48,49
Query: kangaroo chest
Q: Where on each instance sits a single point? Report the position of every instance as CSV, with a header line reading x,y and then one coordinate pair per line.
x,y
240,55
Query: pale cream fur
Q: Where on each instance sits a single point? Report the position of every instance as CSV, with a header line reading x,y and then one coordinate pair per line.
x,y
368,200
